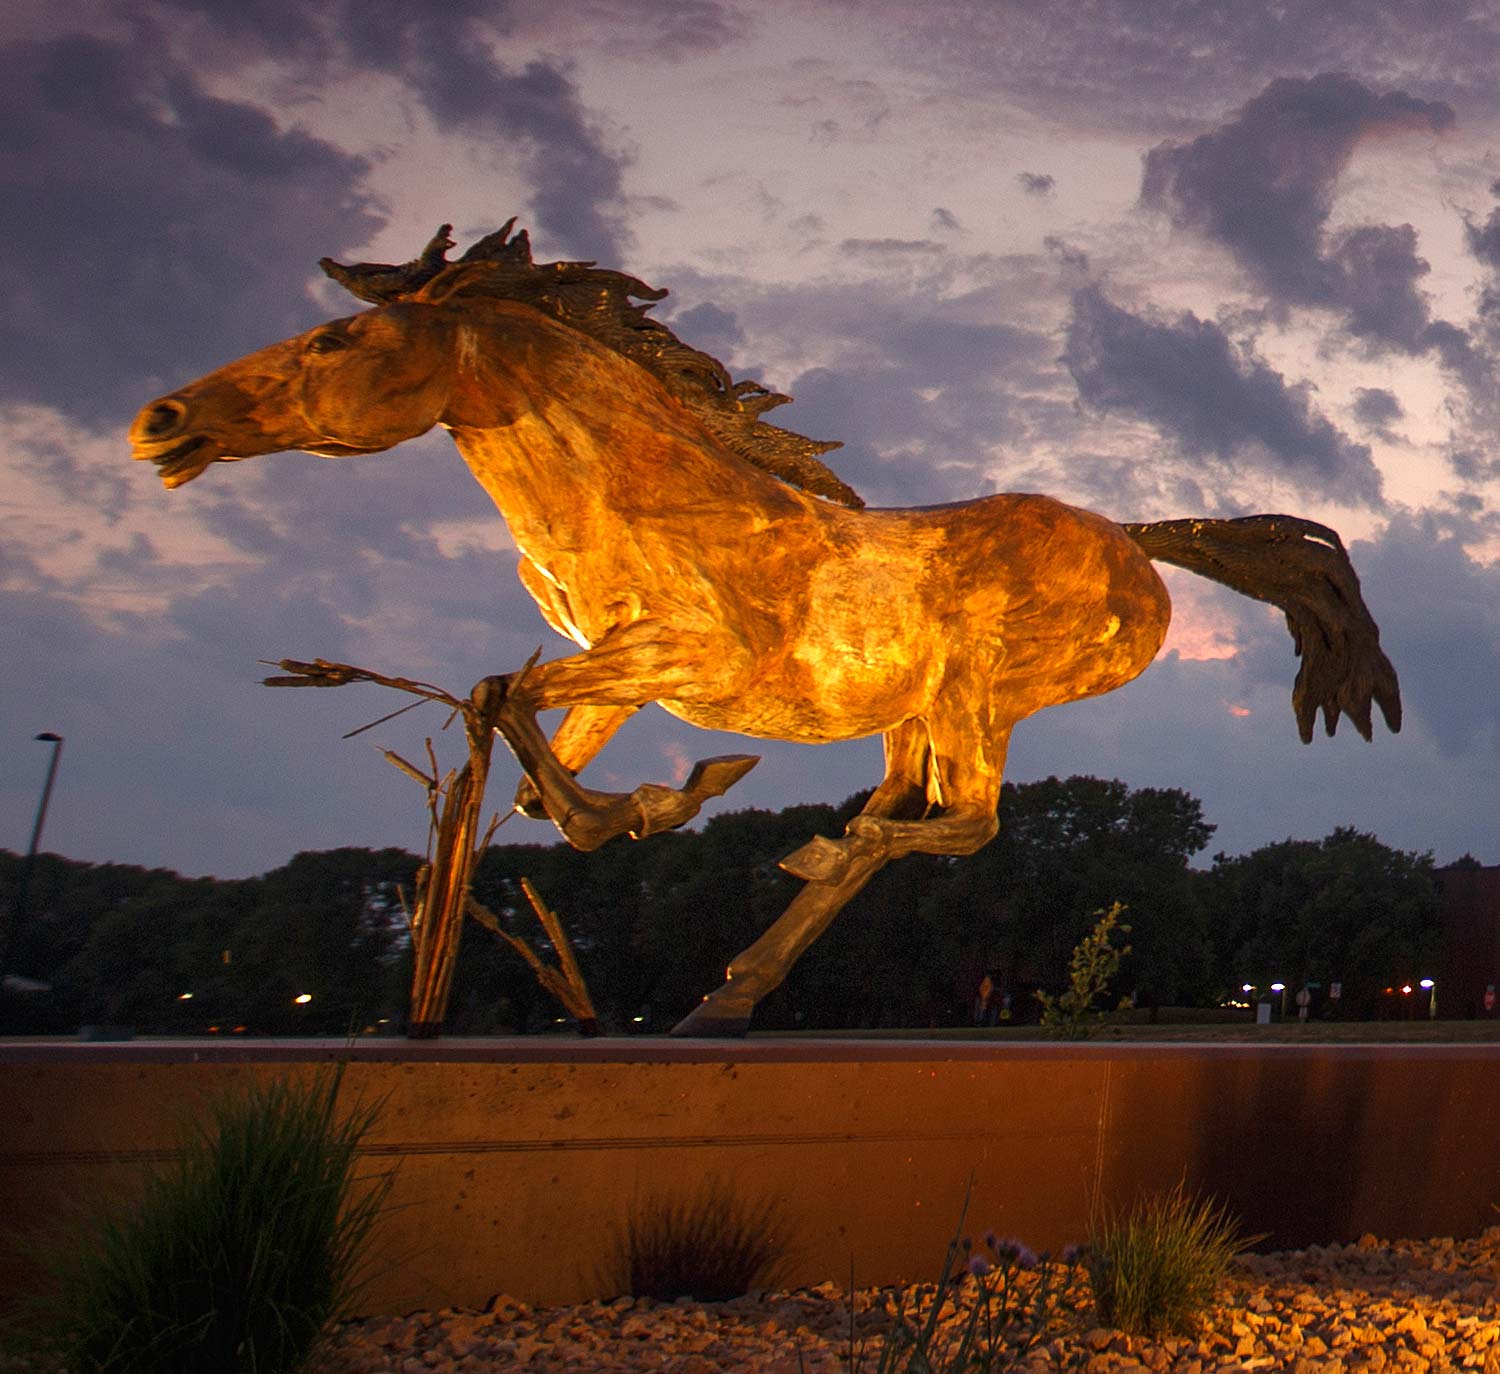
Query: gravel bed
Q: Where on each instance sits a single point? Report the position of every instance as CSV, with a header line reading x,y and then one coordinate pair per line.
x,y
1402,1306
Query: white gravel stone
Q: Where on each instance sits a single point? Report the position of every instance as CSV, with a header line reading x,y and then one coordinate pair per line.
x,y
1382,1307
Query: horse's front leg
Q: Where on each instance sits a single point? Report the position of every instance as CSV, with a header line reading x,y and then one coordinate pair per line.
x,y
584,731
602,687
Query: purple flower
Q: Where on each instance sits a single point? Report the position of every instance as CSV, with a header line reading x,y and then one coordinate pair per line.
x,y
1012,1251
1072,1254
979,1266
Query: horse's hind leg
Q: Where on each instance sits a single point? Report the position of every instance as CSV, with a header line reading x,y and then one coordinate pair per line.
x,y
904,792
762,967
954,771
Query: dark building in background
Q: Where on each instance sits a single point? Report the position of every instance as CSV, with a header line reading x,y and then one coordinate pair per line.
x,y
1470,974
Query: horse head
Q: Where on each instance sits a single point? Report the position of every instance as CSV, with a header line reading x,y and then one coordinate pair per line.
x,y
356,385
363,384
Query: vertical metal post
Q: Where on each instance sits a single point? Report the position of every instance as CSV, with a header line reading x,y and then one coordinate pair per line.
x,y
18,913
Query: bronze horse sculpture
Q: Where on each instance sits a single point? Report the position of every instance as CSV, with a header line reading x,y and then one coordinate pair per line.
x,y
704,559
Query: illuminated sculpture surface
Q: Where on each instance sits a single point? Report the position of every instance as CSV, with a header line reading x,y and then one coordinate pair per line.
x,y
706,560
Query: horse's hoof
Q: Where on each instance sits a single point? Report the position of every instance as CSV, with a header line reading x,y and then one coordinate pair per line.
x,y
820,860
715,1021
714,777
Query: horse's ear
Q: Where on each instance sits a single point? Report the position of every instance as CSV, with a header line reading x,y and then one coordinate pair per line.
x,y
460,277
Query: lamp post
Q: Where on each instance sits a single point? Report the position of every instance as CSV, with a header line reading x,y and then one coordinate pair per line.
x,y
18,914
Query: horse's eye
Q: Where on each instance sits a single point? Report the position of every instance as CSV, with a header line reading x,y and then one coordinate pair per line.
x,y
325,343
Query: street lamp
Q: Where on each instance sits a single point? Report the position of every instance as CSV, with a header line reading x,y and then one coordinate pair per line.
x,y
19,912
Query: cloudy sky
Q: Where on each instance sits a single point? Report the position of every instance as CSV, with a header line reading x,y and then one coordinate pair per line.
x,y
1157,259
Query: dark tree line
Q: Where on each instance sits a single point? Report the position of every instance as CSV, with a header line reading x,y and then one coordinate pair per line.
x,y
654,924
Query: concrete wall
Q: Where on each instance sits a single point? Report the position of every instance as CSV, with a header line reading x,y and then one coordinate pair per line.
x,y
519,1160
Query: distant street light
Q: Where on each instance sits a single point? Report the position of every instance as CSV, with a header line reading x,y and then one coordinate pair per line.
x,y
18,914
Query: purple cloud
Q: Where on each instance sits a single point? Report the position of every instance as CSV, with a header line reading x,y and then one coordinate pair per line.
x,y
1188,378
1262,184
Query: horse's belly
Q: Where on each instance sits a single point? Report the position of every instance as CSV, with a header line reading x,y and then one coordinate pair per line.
x,y
865,656
798,718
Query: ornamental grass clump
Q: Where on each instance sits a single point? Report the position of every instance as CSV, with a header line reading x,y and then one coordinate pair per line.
x,y
237,1258
710,1247
1155,1269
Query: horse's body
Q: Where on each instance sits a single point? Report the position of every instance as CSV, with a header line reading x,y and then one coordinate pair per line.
x,y
772,613
691,577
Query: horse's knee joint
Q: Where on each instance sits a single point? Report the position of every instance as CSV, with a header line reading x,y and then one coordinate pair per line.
x,y
584,831
529,800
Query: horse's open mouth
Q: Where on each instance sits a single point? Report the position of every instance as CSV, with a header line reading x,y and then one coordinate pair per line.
x,y
183,462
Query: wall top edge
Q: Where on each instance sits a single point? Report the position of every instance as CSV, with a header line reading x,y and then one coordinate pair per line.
x,y
650,1050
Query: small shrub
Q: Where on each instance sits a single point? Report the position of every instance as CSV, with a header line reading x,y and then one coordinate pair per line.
x,y
236,1258
711,1248
1156,1268
1072,1015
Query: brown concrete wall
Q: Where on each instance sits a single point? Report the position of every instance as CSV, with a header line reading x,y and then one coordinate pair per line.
x,y
518,1160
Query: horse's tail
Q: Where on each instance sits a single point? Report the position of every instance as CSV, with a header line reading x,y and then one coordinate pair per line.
x,y
1301,567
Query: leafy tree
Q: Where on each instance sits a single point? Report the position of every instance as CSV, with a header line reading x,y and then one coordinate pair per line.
x,y
1069,848
122,944
1346,909
653,924
329,924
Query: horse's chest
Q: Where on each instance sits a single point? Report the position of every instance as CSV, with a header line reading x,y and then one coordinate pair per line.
x,y
574,606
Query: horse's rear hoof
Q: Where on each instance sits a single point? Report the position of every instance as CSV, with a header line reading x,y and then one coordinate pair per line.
x,y
820,860
716,1020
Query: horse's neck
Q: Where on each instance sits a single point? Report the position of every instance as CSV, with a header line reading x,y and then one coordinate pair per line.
x,y
605,480
581,492
570,439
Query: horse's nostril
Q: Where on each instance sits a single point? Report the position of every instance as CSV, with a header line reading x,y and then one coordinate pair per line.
x,y
164,419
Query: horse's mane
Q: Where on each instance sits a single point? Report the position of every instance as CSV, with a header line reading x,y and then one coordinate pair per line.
x,y
599,303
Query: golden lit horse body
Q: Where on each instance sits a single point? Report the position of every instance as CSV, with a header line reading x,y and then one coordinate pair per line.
x,y
705,560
